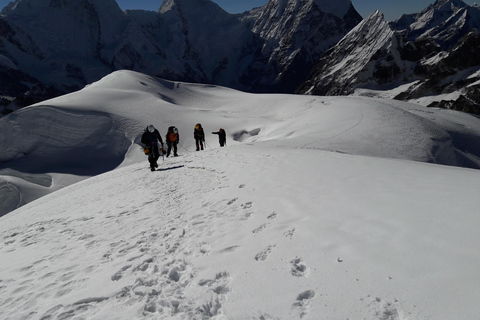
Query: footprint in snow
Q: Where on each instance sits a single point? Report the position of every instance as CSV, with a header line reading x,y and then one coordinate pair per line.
x,y
175,271
272,215
289,233
247,205
8,242
262,256
260,228
119,274
383,309
204,248
206,204
219,285
299,269
229,249
302,305
144,266
232,201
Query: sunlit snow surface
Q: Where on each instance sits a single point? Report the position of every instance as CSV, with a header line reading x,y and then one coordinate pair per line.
x,y
314,210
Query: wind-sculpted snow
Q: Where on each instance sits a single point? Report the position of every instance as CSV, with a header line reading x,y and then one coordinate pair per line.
x,y
9,197
18,188
57,140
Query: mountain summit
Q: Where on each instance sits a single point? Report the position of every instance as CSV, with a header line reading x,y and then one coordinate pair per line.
x,y
293,34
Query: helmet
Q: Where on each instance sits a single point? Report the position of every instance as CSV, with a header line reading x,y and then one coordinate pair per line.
x,y
175,130
151,128
197,126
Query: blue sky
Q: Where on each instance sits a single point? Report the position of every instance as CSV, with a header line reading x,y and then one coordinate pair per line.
x,y
391,9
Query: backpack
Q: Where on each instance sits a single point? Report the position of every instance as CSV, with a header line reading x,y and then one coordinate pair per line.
x,y
172,137
172,134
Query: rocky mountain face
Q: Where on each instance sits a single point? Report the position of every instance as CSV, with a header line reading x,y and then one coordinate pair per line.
x,y
292,33
52,47
432,53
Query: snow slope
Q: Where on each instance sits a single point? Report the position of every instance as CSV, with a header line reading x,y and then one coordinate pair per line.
x,y
314,210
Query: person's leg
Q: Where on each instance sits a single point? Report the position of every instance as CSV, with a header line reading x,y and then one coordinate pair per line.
x,y
157,155
169,149
151,159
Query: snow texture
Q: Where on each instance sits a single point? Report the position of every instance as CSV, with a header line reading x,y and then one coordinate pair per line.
x,y
313,210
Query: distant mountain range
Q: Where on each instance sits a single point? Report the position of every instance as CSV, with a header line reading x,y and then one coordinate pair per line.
x,y
51,47
432,53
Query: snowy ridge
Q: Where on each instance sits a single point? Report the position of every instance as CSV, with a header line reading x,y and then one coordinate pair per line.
x,y
350,61
436,13
446,22
378,32
304,213
288,28
101,126
339,8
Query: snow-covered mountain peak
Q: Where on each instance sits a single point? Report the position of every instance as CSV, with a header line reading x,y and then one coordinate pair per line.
x,y
374,27
448,5
376,16
436,14
371,27
284,25
442,8
337,8
431,16
166,5
349,61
